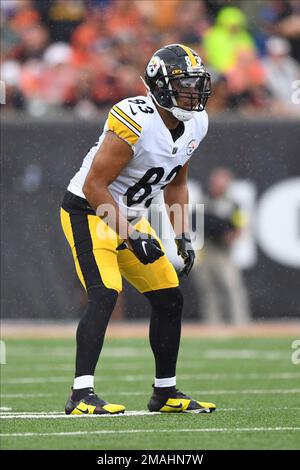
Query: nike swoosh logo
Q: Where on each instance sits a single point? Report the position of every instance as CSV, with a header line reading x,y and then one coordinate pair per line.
x,y
176,406
143,245
134,113
85,412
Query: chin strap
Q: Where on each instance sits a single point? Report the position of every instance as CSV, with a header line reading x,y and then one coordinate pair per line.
x,y
178,113
182,114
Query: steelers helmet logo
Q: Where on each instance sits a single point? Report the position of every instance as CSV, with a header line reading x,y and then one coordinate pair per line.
x,y
153,66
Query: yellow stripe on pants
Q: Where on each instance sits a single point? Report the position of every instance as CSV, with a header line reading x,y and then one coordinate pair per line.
x,y
67,228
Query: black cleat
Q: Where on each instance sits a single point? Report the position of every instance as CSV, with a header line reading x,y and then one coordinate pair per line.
x,y
175,401
92,405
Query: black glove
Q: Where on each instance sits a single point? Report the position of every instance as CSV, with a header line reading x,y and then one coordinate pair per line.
x,y
186,251
145,247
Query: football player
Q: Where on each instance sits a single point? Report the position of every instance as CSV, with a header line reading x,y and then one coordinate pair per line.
x,y
145,147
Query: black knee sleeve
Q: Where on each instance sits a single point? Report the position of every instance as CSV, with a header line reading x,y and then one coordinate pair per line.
x,y
166,301
165,329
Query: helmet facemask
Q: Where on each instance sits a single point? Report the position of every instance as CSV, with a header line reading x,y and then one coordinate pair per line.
x,y
184,94
191,93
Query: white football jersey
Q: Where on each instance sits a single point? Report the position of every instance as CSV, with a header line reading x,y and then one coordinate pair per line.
x,y
156,157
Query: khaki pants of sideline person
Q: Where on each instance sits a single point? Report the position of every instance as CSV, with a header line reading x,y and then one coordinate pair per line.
x,y
221,288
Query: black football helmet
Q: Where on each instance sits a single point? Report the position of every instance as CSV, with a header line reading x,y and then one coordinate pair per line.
x,y
177,80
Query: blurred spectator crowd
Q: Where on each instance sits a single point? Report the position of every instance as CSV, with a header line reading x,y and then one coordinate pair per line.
x,y
86,54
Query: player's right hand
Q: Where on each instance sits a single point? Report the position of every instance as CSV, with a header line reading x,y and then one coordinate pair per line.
x,y
145,247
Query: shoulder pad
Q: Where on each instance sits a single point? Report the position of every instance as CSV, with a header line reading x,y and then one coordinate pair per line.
x,y
126,118
202,121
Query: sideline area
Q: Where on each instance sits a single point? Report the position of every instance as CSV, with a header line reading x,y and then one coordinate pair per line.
x,y
45,329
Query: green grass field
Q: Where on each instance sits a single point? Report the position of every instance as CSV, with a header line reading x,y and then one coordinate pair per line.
x,y
253,382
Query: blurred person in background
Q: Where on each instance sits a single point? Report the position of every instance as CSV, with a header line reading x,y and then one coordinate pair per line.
x,y
191,22
9,33
282,18
222,293
10,74
61,17
47,83
247,83
162,16
224,41
281,71
33,42
232,54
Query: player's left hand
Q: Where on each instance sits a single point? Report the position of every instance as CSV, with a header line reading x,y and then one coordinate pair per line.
x,y
186,251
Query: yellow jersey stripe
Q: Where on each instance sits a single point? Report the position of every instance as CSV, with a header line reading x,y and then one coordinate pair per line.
x,y
123,129
121,119
190,54
127,118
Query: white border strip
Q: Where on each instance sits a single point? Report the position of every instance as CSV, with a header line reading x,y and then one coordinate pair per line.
x,y
61,415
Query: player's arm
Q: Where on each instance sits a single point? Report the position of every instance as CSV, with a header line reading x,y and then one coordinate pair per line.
x,y
113,155
176,193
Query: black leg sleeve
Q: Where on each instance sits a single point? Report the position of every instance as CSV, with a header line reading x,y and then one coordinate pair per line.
x,y
92,327
165,329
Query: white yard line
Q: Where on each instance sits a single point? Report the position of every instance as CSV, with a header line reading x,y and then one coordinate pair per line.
x,y
70,367
243,354
7,414
34,380
9,411
25,395
108,352
141,353
107,369
250,391
61,415
247,376
33,412
148,431
221,392
193,392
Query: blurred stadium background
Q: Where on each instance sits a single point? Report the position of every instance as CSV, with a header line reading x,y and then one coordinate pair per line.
x,y
64,62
